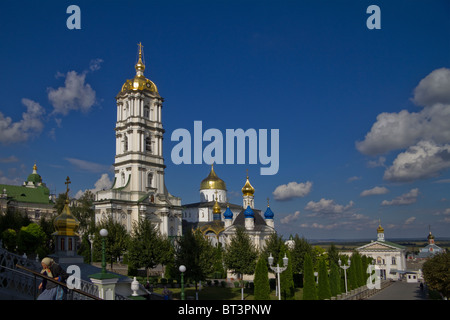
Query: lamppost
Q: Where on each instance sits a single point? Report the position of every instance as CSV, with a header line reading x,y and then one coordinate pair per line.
x,y
104,234
182,269
278,270
91,241
345,271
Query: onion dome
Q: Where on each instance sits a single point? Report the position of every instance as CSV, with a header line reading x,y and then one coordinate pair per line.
x,y
212,181
380,229
247,189
430,236
66,224
268,214
34,177
248,213
216,207
139,82
228,214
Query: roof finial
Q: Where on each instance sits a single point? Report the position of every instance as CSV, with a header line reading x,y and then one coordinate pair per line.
x,y
67,188
140,67
268,202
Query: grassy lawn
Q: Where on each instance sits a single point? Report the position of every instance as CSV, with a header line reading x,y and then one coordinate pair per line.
x,y
219,293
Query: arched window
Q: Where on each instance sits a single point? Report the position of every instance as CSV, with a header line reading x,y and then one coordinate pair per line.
x,y
146,112
150,180
123,179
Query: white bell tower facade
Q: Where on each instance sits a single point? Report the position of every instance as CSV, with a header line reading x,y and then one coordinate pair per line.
x,y
139,189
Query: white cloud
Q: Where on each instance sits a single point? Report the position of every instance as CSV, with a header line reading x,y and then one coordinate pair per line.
x,y
424,160
326,206
410,220
75,95
292,190
405,199
377,163
9,159
87,165
393,131
94,65
28,127
434,88
290,218
374,191
355,178
103,183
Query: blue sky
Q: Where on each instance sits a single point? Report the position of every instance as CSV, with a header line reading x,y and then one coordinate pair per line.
x,y
363,114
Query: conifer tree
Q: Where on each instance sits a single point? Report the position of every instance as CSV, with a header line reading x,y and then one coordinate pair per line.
x,y
324,283
261,281
335,280
309,283
286,277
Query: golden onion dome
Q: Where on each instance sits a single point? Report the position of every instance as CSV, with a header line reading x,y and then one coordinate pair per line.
x,y
380,229
139,82
216,207
247,189
212,181
66,224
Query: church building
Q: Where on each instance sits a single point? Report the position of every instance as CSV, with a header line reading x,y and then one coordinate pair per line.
x,y
139,190
218,219
389,257
32,197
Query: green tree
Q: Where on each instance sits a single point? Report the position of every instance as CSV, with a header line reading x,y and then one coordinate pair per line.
x,y
240,255
262,287
436,273
13,219
352,274
31,238
197,254
147,248
9,237
84,212
309,281
286,277
116,241
300,249
335,280
60,202
323,291
273,246
333,254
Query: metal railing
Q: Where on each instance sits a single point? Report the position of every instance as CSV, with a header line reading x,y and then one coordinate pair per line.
x,y
70,291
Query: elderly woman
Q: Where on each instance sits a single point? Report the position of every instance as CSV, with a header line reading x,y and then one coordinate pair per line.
x,y
51,290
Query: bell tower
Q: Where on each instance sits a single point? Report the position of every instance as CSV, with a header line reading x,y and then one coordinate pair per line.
x,y
139,164
139,190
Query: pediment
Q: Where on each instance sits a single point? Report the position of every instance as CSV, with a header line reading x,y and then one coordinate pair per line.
x,y
378,246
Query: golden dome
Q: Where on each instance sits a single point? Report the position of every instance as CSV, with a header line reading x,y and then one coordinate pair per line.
x,y
66,224
139,82
216,207
380,229
247,189
212,181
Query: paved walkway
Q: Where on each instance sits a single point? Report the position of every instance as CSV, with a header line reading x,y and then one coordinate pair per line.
x,y
400,290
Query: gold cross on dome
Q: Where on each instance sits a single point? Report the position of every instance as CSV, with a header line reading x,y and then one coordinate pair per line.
x,y
140,47
67,186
